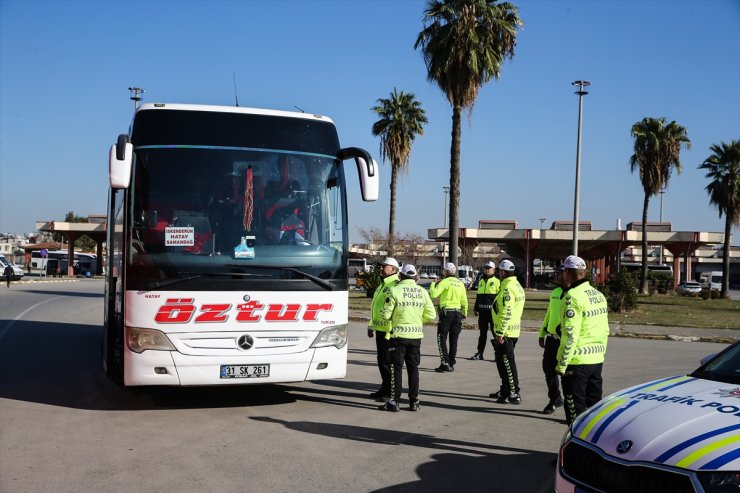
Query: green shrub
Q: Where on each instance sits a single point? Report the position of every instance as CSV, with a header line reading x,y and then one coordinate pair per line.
x,y
662,282
620,292
371,280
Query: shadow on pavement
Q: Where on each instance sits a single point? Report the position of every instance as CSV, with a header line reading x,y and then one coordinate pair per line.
x,y
71,294
60,365
464,466
346,393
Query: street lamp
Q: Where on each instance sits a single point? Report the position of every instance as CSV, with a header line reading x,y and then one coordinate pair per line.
x,y
444,225
582,84
542,222
136,95
446,190
662,191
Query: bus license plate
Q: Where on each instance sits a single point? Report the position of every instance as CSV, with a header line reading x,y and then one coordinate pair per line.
x,y
245,371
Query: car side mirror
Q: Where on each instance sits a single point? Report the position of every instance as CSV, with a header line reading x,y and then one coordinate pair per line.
x,y
707,358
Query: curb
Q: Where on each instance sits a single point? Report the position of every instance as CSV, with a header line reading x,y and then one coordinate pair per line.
x,y
631,335
35,281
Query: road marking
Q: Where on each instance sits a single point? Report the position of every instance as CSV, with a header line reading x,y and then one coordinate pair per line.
x,y
4,330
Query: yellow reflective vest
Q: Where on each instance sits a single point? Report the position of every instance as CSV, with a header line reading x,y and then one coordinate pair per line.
x,y
377,322
552,316
487,289
508,307
451,293
584,325
407,307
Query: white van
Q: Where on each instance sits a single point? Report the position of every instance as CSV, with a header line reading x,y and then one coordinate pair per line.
x,y
466,274
711,279
17,270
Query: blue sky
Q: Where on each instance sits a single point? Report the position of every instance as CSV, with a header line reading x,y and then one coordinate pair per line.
x,y
65,67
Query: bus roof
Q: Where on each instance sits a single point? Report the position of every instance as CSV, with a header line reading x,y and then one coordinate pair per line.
x,y
232,109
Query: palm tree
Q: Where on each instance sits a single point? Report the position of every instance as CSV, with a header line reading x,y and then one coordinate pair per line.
x,y
723,168
464,44
657,153
401,120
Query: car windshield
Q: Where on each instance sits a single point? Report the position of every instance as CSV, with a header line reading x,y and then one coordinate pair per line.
x,y
725,367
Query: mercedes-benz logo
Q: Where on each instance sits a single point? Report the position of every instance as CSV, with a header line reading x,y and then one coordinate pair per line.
x,y
245,342
246,297
624,446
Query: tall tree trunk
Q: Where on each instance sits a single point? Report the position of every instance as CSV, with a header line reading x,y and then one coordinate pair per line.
x,y
455,182
392,218
725,293
644,270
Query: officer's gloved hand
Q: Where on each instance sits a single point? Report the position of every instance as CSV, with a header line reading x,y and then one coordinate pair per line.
x,y
542,342
370,332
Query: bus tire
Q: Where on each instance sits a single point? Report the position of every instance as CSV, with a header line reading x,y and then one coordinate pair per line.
x,y
113,353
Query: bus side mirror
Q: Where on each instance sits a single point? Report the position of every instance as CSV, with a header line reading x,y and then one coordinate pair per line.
x,y
119,162
367,169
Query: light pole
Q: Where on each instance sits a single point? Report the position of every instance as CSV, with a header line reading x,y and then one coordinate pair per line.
x,y
444,225
136,95
542,223
582,84
660,255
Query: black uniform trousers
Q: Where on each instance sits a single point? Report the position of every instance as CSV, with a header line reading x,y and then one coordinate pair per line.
x,y
449,326
384,362
485,326
404,351
582,388
549,362
506,365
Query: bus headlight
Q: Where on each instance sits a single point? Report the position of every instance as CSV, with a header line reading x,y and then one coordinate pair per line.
x,y
331,336
139,340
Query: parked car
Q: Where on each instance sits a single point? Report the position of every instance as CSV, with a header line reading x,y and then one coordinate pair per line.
x,y
677,434
17,270
689,288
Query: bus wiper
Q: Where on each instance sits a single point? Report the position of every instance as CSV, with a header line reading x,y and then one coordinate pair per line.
x,y
325,284
321,282
193,275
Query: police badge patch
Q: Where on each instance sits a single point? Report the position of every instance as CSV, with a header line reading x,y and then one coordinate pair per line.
x,y
570,314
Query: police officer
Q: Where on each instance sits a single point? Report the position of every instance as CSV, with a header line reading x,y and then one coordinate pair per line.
x,y
550,341
584,325
453,309
389,275
507,316
488,286
8,273
407,307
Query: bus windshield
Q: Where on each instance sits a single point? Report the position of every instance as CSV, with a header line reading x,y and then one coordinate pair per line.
x,y
225,217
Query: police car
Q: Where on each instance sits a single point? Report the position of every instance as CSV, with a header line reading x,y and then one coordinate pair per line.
x,y
677,434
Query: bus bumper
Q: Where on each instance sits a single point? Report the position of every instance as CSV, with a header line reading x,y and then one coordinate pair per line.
x,y
173,368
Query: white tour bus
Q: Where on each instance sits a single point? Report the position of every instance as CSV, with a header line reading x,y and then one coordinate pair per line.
x,y
86,261
227,247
